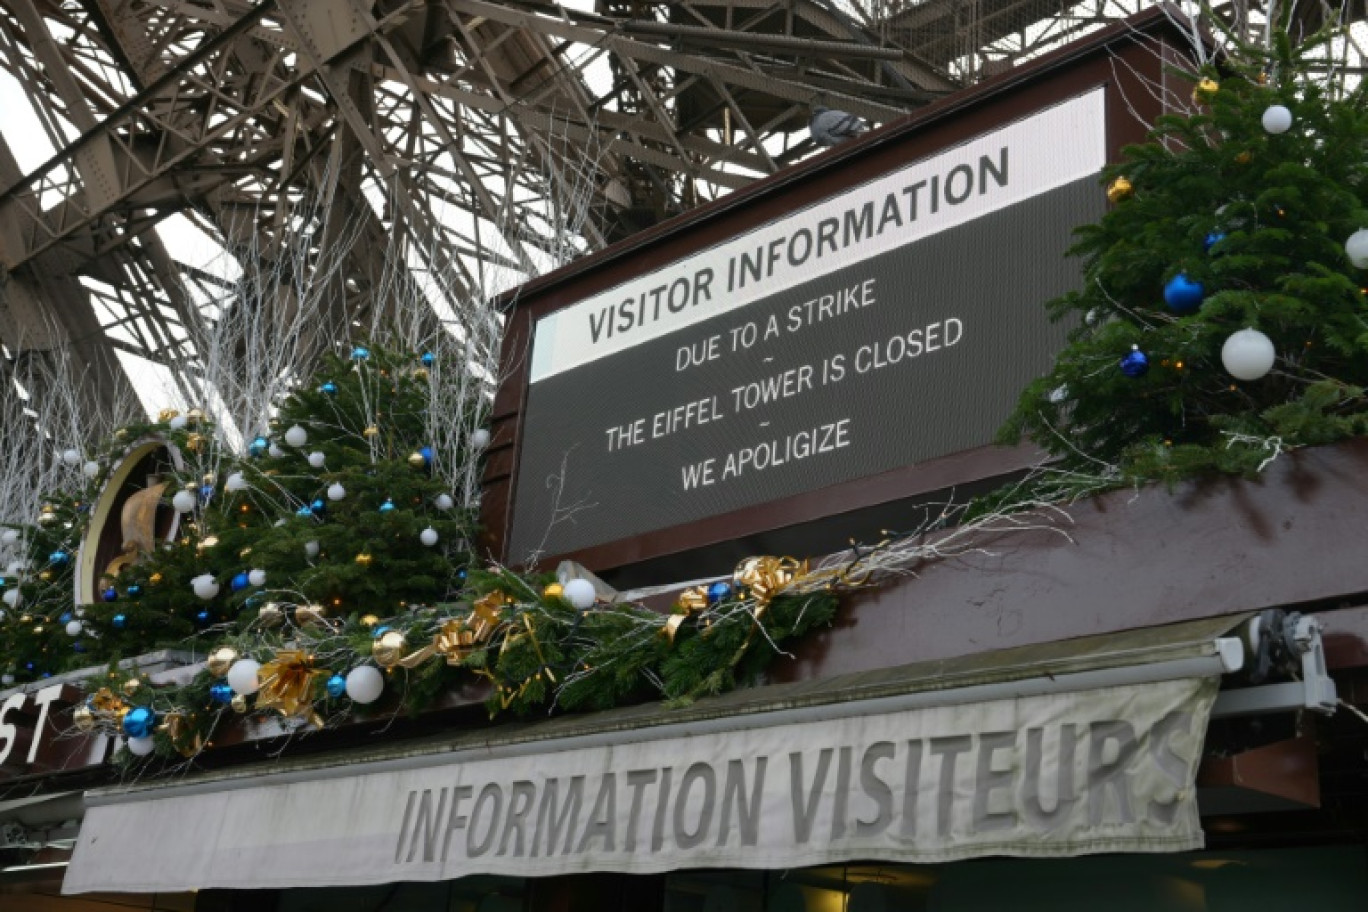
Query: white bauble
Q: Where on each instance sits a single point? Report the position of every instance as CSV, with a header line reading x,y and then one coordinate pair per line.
x,y
242,677
184,501
205,586
13,597
296,436
141,747
365,683
316,459
10,536
444,502
1277,119
274,451
479,439
428,536
1248,354
178,423
311,549
257,577
580,593
91,469
235,482
1357,248
7,679
336,491
71,457
74,628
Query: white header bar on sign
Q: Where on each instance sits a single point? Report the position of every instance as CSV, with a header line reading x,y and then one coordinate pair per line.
x,y
1047,150
1046,775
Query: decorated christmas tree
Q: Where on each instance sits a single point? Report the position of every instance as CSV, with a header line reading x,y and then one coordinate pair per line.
x,y
1221,317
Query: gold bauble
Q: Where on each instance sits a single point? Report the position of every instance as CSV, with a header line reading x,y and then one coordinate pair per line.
x,y
420,373
364,559
167,414
37,630
1204,91
208,478
26,619
208,542
270,614
245,551
83,717
371,431
220,660
194,442
1244,158
389,648
46,517
194,415
45,575
121,433
1120,190
311,615
554,590
416,460
155,578
369,621
239,703
131,687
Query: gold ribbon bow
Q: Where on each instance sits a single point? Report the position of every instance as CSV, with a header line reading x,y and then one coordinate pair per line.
x,y
183,737
765,577
106,701
287,684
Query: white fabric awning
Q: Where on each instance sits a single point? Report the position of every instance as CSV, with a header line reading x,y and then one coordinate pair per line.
x,y
1085,746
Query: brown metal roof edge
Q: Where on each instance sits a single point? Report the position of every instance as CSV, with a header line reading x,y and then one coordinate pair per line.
x,y
1138,646
1153,20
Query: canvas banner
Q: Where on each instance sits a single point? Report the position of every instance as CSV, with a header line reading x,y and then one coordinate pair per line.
x,y
1107,770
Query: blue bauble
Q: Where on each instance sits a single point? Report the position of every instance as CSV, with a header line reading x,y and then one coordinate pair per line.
x,y
379,631
1136,363
387,506
426,453
65,618
139,721
259,446
461,574
1213,239
1182,294
203,618
119,621
318,507
78,646
304,511
718,591
329,388
134,591
240,581
28,666
428,359
360,353
59,558
221,693
110,594
206,492
337,687
3,582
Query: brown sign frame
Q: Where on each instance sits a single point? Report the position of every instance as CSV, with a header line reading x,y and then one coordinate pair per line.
x,y
1126,60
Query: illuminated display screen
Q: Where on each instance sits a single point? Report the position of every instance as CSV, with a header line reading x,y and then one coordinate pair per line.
x,y
889,325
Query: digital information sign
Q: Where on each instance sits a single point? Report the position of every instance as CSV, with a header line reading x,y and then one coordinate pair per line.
x,y
889,325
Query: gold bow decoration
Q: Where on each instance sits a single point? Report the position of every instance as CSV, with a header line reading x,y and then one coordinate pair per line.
x,y
107,703
765,577
180,729
287,684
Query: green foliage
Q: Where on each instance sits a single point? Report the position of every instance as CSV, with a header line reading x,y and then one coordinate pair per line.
x,y
1279,209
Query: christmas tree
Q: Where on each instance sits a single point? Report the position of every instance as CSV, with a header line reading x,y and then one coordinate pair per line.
x,y
1221,317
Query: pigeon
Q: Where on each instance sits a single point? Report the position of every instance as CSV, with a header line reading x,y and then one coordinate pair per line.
x,y
831,127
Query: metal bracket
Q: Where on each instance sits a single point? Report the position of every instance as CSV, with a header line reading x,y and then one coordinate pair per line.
x,y
1298,639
